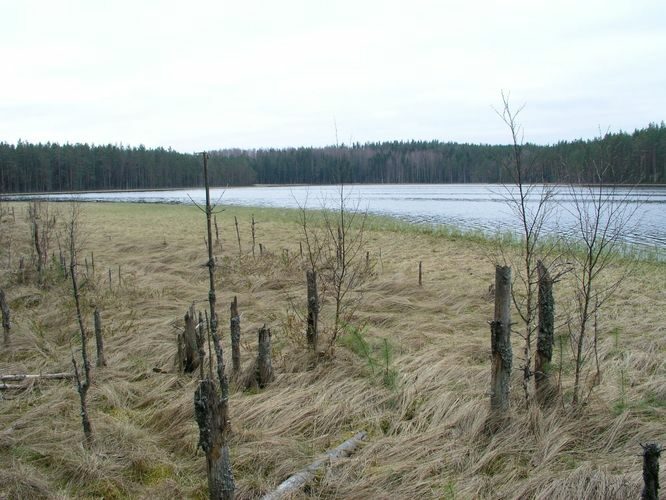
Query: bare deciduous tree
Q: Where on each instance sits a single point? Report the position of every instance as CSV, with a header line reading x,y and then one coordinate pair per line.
x,y
211,405
603,214
83,381
531,204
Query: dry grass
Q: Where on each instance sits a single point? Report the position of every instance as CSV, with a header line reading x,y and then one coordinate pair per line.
x,y
427,435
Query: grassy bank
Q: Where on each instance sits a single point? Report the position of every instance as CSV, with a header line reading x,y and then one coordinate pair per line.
x,y
426,426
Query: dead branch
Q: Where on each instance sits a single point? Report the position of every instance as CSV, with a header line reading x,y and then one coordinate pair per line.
x,y
301,478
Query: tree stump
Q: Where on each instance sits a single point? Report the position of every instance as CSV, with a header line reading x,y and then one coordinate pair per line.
x,y
191,350
651,452
264,367
500,341
545,336
312,333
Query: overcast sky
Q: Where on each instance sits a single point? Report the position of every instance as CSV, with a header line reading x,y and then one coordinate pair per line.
x,y
206,75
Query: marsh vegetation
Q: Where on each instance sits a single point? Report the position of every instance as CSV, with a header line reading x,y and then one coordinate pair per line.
x,y
410,366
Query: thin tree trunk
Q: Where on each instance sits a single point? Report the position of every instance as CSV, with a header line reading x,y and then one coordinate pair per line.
x,y
6,317
264,365
500,341
101,360
545,336
253,236
312,333
651,454
211,409
81,385
235,337
420,273
240,250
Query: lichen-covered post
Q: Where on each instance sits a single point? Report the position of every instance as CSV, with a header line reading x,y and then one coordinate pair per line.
x,y
500,341
6,319
651,452
313,310
545,336
235,337
264,365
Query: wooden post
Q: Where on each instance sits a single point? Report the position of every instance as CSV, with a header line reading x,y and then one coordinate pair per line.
x,y
110,286
300,245
92,262
86,260
545,336
191,357
264,373
367,261
120,280
253,240
6,318
240,250
313,310
261,250
101,360
651,452
420,273
500,342
235,337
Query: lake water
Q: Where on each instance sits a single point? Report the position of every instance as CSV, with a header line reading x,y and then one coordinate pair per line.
x,y
466,206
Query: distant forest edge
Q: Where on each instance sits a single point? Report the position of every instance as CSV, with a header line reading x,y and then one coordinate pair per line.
x,y
639,157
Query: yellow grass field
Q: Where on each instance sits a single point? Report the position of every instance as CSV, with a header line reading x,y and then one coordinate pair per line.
x,y
426,428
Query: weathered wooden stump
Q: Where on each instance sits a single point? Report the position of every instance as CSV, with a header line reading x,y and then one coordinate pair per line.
x,y
651,452
500,342
264,368
545,336
312,333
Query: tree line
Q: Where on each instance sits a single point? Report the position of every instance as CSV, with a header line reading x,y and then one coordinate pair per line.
x,y
635,157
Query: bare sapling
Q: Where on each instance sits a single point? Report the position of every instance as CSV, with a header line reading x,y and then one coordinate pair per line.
x,y
603,215
545,336
253,235
99,340
235,337
210,403
532,206
240,249
42,223
6,317
83,381
500,343
344,270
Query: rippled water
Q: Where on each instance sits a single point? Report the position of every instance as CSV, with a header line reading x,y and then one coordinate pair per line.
x,y
467,206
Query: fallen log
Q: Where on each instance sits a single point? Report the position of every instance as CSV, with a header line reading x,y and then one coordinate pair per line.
x,y
12,387
301,478
41,376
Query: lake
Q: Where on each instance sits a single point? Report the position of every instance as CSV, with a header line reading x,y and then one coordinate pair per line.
x,y
478,207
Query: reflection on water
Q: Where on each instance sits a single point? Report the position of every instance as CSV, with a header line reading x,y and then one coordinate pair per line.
x,y
467,206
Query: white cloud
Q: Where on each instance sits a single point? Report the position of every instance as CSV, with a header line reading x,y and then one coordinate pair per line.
x,y
197,75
